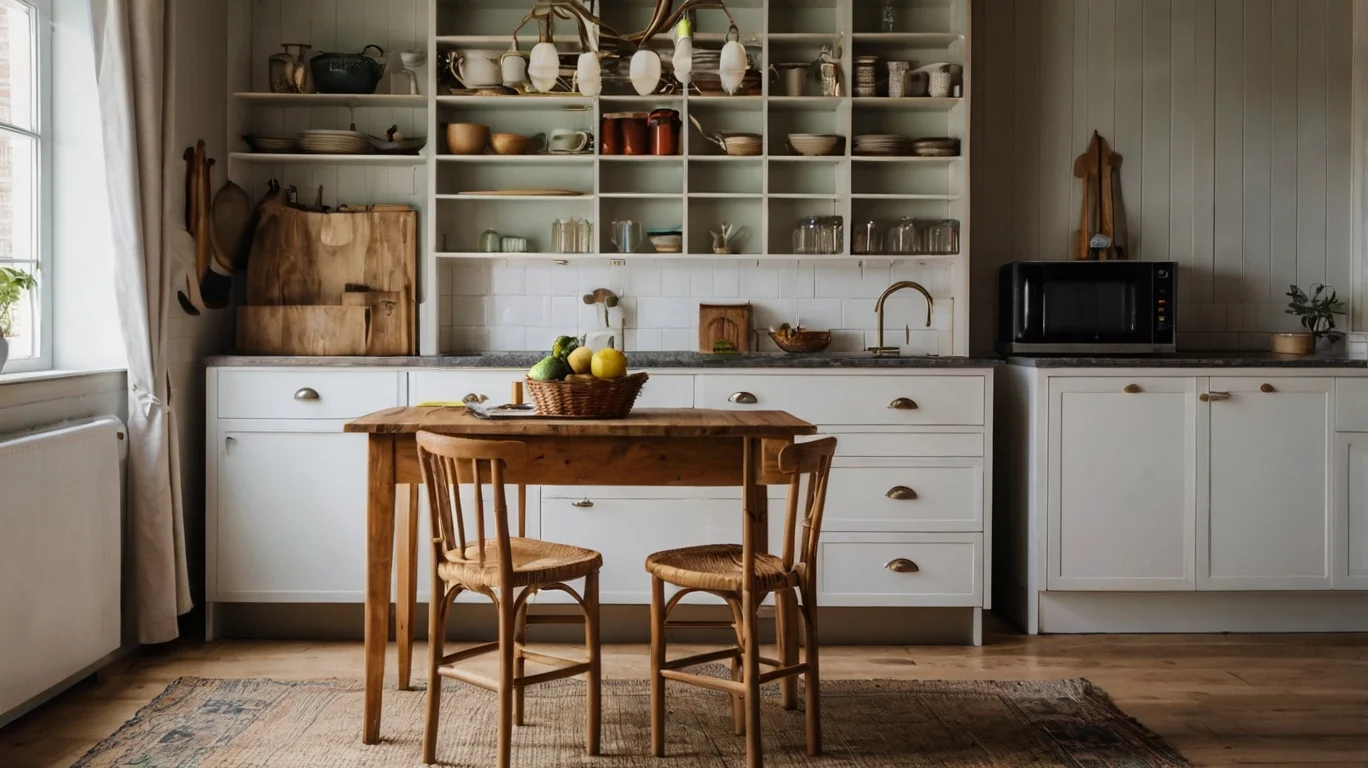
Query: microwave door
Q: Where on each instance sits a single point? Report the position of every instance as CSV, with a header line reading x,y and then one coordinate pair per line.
x,y
1089,306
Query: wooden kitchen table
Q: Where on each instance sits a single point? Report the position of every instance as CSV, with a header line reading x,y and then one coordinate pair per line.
x,y
651,447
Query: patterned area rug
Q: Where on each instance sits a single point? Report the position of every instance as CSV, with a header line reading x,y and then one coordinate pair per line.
x,y
869,724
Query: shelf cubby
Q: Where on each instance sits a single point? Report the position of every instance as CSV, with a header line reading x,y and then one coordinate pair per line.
x,y
745,176
905,179
804,178
461,220
652,212
708,213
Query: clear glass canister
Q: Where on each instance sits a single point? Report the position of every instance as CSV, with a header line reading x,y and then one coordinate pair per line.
x,y
807,237
902,237
869,238
833,234
584,236
943,237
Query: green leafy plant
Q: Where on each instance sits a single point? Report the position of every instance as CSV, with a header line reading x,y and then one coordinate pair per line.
x,y
13,283
1316,311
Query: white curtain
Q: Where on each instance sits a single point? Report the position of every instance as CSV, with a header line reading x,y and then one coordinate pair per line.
x,y
130,54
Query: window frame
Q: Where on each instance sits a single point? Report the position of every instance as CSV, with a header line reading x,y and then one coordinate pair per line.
x,y
41,134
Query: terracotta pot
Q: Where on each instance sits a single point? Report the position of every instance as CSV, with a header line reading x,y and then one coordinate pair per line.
x,y
467,138
1294,343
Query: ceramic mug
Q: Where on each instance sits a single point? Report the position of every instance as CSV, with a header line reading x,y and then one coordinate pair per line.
x,y
478,69
566,141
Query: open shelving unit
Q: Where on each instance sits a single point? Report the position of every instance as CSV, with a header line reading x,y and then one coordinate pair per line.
x,y
696,189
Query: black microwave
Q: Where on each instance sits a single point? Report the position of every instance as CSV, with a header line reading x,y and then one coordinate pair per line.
x,y
1087,307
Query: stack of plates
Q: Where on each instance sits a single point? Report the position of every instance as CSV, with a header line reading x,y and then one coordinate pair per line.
x,y
936,147
264,142
815,144
882,144
335,143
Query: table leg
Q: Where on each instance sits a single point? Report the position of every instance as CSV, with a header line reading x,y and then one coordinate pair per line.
x,y
753,537
379,562
406,602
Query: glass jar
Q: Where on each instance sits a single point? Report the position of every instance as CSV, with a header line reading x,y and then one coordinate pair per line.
x,y
584,236
888,18
490,241
807,237
833,234
943,237
869,238
902,237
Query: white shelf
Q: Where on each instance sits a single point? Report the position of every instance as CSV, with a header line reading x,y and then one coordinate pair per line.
x,y
904,197
804,37
519,198
725,158
292,159
652,256
641,158
378,100
529,159
803,196
566,101
727,195
905,159
913,103
833,159
642,195
635,100
915,39
807,101
728,101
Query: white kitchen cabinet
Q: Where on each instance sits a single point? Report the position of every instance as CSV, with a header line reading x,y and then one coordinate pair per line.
x,y
1122,483
288,523
1269,520
1351,515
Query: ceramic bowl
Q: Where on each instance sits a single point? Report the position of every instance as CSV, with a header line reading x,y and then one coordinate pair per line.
x,y
510,143
673,243
467,138
815,144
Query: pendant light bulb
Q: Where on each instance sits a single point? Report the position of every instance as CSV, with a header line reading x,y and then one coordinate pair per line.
x,y
589,74
683,59
645,71
543,67
732,68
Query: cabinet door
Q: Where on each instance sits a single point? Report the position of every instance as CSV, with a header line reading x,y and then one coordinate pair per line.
x,y
1351,518
291,519
1122,483
1268,521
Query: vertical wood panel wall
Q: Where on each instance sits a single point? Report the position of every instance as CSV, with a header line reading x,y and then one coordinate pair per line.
x,y
1234,119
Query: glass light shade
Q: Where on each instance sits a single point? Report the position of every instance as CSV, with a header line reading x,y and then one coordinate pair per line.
x,y
683,59
732,67
589,74
544,66
645,71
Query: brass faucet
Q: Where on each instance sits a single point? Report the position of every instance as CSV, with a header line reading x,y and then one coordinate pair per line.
x,y
879,349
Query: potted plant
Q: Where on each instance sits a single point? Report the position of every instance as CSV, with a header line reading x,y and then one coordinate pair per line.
x,y
13,283
1317,314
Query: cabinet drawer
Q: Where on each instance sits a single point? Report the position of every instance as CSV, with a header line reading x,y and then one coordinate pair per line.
x,y
930,400
1351,405
661,391
908,444
949,570
305,394
943,496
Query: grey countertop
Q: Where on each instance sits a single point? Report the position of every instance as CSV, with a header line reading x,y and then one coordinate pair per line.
x,y
1188,360
634,359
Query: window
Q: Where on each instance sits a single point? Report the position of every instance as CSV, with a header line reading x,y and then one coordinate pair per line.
x,y
25,167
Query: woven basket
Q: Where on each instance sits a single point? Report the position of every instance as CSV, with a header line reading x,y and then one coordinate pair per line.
x,y
802,341
600,398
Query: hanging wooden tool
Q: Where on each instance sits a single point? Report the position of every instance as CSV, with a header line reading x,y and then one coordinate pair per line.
x,y
1097,235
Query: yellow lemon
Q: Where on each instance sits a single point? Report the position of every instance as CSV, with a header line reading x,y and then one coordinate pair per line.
x,y
581,359
609,364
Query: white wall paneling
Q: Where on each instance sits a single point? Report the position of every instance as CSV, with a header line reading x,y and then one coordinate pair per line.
x,y
1234,120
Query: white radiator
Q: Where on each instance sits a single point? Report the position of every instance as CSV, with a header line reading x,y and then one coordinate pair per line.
x,y
61,545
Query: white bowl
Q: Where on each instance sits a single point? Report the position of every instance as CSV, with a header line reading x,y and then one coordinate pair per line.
x,y
667,243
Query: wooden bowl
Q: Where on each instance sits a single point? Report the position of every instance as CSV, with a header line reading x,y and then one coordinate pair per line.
x,y
802,341
1294,343
467,138
510,143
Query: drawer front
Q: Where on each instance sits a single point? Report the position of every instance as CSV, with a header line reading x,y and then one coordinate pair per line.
x,y
940,497
883,400
908,444
1351,405
661,391
305,394
948,570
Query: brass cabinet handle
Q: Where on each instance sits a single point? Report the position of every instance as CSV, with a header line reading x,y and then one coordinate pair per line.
x,y
474,398
902,565
743,398
1131,389
1213,396
1267,388
583,504
307,393
901,493
903,404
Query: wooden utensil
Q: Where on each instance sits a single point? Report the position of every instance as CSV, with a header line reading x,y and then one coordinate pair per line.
x,y
1096,167
231,218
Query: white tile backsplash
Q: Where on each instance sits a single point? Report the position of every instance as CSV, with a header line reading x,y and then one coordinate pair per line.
x,y
517,305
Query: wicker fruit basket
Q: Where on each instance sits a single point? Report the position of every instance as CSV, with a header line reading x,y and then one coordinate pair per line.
x,y
600,398
802,341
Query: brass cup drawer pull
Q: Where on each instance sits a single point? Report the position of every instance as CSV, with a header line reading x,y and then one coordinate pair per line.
x,y
1131,389
1213,396
903,404
1267,388
582,504
743,398
901,493
902,565
307,393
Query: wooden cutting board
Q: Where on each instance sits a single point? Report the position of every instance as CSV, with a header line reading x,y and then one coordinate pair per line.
x,y
724,322
389,321
307,331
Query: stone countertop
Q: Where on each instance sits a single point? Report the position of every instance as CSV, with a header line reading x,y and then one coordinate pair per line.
x,y
1186,360
637,360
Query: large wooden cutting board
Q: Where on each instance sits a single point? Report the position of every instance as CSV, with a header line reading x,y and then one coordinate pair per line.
x,y
307,331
